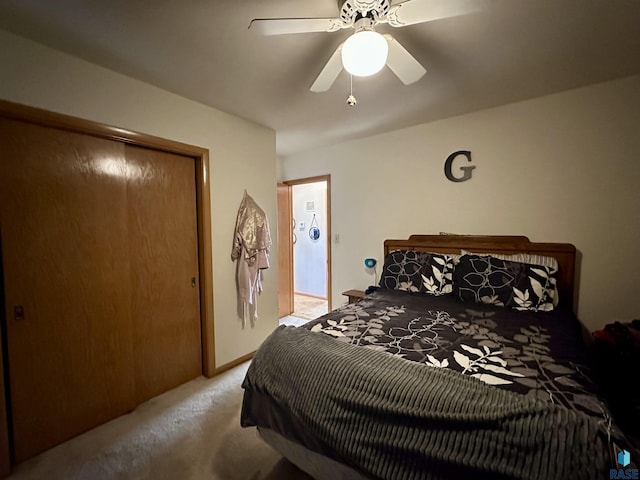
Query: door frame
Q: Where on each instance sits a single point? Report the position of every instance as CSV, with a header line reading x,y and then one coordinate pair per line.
x,y
200,155
285,251
303,181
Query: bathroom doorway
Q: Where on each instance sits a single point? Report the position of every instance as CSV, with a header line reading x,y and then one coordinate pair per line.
x,y
305,249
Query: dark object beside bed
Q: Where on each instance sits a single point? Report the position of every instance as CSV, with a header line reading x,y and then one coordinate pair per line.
x,y
617,361
510,395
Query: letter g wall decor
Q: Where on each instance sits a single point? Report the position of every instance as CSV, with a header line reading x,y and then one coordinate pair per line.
x,y
466,171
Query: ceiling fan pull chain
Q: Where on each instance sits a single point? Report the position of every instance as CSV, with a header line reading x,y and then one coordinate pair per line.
x,y
351,100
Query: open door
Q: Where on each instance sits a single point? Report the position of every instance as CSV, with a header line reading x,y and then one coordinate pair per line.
x,y
285,251
291,297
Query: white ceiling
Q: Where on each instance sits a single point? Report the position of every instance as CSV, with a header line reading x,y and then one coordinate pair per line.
x,y
203,50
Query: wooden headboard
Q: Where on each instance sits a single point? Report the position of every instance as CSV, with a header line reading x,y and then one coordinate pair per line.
x,y
564,253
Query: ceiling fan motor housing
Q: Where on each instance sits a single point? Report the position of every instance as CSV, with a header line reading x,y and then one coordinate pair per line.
x,y
352,10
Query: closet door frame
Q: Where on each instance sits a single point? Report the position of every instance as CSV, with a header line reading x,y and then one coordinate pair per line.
x,y
46,118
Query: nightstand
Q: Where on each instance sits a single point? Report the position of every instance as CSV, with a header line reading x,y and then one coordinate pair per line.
x,y
354,295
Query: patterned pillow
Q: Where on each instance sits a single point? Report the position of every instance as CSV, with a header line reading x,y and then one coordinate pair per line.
x,y
543,260
487,279
415,271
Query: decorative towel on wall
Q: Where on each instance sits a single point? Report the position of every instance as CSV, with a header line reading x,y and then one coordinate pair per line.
x,y
251,245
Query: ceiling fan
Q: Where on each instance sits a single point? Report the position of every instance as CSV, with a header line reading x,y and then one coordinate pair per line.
x,y
366,52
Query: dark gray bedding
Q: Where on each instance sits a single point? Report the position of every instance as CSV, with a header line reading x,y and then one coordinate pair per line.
x,y
391,418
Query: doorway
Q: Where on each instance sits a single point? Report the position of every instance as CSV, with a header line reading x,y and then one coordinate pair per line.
x,y
305,249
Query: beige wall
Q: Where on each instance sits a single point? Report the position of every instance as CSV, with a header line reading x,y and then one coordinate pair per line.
x,y
242,155
560,168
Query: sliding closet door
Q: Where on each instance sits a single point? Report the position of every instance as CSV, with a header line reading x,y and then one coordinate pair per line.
x,y
65,245
164,268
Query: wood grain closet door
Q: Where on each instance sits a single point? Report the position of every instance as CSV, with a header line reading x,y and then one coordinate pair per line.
x,y
64,220
164,269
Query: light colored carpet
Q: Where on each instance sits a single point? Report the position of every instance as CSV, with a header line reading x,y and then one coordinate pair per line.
x,y
293,321
190,433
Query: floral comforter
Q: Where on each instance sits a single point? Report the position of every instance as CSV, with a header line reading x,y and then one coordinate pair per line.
x,y
532,353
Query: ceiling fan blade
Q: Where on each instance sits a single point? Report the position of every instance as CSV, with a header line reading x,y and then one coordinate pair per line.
x,y
282,26
402,62
329,73
419,11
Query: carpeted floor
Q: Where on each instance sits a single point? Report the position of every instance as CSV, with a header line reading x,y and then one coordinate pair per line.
x,y
190,433
291,320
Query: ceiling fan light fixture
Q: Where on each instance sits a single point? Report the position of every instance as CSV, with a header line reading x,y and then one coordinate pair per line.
x,y
364,53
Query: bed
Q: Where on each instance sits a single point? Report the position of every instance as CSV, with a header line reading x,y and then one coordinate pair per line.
x,y
466,362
